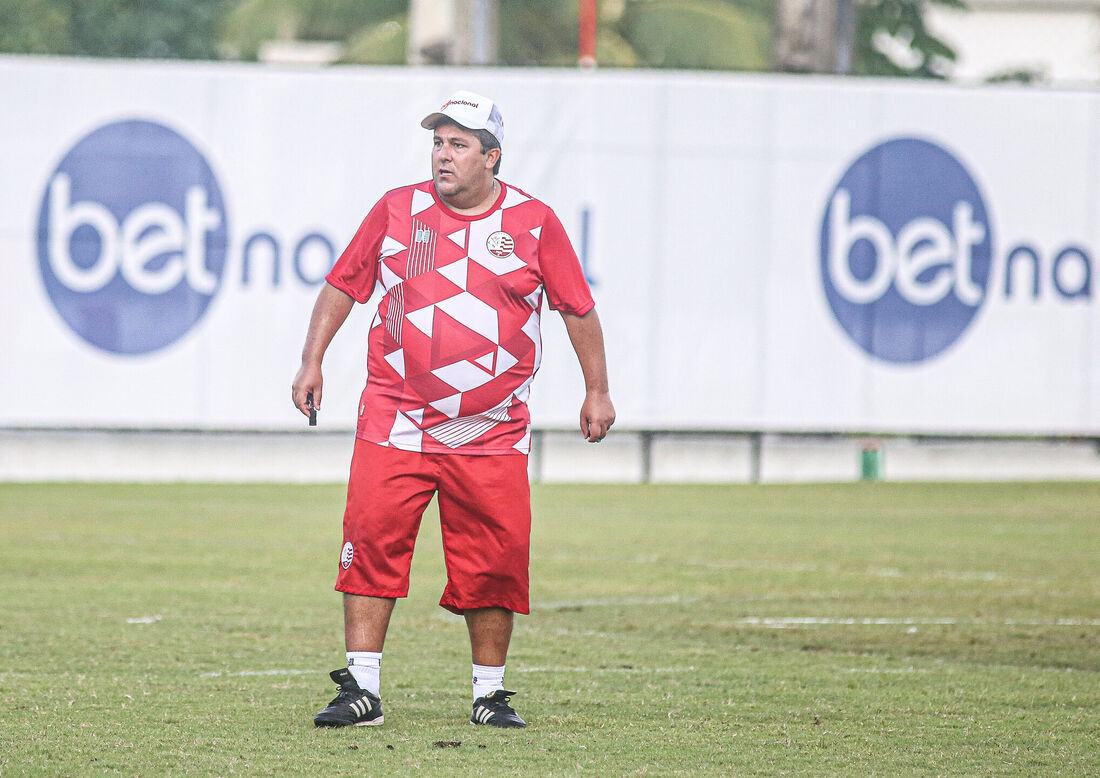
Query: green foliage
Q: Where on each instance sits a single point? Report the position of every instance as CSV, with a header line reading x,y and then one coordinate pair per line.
x,y
251,22
1017,76
543,33
707,34
182,29
613,50
703,34
188,630
335,20
902,20
379,44
34,27
697,34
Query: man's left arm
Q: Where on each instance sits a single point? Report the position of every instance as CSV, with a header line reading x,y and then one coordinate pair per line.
x,y
597,412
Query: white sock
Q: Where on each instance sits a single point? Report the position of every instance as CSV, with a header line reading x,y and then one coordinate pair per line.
x,y
366,667
487,679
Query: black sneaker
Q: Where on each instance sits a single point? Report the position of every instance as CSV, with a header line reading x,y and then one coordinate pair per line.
x,y
352,705
494,710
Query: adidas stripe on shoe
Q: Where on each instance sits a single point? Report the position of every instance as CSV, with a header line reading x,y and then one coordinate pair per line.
x,y
352,706
494,710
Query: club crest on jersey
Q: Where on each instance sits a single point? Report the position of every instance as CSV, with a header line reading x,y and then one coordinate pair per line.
x,y
500,244
346,555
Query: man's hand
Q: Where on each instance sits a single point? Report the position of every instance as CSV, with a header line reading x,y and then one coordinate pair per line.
x,y
597,412
597,416
306,381
329,312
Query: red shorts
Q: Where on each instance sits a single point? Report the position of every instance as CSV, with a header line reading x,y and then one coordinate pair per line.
x,y
484,513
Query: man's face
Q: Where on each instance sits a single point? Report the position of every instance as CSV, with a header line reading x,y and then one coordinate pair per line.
x,y
459,169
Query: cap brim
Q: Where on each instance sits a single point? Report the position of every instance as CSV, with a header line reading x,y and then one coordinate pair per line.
x,y
433,119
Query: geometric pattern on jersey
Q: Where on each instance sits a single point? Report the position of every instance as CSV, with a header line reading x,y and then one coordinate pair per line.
x,y
455,343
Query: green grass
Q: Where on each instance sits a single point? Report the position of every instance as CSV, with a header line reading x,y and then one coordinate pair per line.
x,y
664,637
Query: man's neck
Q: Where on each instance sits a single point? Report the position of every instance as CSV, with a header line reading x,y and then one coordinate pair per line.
x,y
475,204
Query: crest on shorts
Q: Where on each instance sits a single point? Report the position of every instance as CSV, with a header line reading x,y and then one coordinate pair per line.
x,y
346,555
500,244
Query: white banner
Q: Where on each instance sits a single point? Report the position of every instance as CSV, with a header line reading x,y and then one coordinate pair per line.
x,y
776,253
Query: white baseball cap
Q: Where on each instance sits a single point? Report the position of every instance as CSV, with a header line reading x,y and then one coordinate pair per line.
x,y
469,110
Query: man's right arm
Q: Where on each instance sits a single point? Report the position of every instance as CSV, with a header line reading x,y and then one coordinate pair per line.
x,y
329,312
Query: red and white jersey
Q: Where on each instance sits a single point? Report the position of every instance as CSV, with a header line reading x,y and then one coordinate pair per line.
x,y
455,343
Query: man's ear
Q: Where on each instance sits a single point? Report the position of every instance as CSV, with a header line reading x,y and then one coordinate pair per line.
x,y
491,158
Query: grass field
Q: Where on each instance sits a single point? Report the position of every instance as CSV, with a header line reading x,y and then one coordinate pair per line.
x,y
858,629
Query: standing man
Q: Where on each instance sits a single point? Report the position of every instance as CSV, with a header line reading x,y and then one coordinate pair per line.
x,y
463,262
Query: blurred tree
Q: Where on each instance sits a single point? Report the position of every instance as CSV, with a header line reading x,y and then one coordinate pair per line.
x,y
890,37
722,34
379,44
543,33
697,34
183,29
34,27
1018,76
251,22
892,40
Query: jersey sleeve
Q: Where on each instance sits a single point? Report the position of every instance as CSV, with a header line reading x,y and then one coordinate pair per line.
x,y
562,276
356,271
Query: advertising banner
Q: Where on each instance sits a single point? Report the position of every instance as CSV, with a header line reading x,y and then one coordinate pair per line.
x,y
766,252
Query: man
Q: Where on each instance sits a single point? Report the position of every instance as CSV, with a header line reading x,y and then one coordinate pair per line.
x,y
463,262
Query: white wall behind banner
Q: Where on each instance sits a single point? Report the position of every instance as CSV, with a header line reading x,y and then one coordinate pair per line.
x,y
771,253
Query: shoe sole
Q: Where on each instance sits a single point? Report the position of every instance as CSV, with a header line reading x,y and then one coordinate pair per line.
x,y
498,726
337,724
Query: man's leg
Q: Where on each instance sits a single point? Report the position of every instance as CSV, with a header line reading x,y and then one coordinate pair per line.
x,y
490,633
485,516
388,490
366,620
